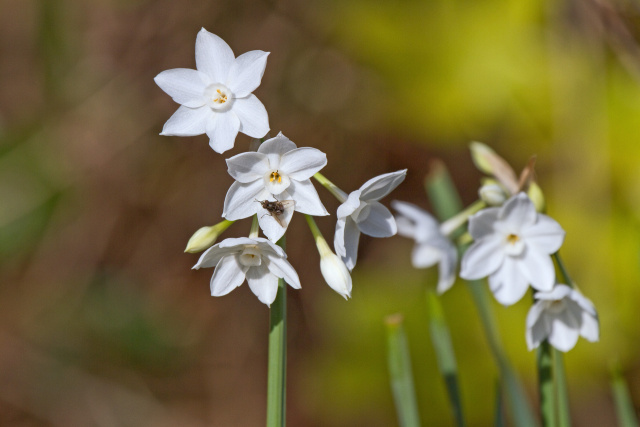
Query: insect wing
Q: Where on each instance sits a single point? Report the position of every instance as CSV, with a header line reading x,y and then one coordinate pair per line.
x,y
286,204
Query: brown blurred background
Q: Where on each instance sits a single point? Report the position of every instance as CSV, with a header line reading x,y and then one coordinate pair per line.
x,y
102,322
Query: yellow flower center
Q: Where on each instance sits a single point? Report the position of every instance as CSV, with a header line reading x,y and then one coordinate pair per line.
x,y
220,98
513,239
275,176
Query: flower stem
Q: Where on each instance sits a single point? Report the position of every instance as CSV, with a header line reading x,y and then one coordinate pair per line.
x,y
333,189
455,222
321,243
563,270
560,383
255,227
546,385
277,365
399,361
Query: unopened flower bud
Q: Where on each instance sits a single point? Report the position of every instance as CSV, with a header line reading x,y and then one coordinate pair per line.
x,y
336,274
537,197
492,193
205,237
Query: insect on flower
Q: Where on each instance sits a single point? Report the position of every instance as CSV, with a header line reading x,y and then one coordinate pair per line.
x,y
276,208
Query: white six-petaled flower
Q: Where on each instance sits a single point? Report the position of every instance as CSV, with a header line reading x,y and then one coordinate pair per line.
x,y
432,245
561,316
256,259
217,98
512,245
362,213
277,172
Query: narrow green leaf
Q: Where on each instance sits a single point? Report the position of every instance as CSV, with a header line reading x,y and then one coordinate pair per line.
x,y
445,355
446,203
499,420
277,365
399,362
624,405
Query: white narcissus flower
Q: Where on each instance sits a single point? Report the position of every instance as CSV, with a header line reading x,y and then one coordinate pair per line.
x,y
561,316
335,273
217,98
362,213
512,245
277,172
432,245
256,259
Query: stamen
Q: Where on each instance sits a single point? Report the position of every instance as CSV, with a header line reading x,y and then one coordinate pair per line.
x,y
275,176
513,238
221,98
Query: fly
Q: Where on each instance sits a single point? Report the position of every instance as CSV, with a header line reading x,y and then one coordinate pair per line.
x,y
276,208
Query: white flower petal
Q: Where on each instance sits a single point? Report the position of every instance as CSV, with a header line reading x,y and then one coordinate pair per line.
x,y
507,283
518,211
240,201
214,57
481,223
188,121
424,255
414,222
546,234
262,283
254,120
537,330
185,86
537,268
246,73
482,258
306,198
447,270
378,187
227,276
563,336
350,205
212,256
558,292
379,222
346,240
278,146
590,328
274,228
222,131
247,167
284,270
302,163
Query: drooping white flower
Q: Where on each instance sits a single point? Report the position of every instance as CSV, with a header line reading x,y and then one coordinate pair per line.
x,y
277,172
561,316
432,245
362,213
256,259
217,98
512,245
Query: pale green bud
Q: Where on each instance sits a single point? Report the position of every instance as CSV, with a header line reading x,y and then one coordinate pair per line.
x,y
536,196
206,237
492,193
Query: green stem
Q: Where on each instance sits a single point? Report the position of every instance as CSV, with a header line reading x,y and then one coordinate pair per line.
x,y
333,189
255,227
546,388
277,366
560,382
624,404
563,270
399,361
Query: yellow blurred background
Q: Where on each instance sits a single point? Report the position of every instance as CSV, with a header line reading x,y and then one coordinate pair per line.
x,y
102,322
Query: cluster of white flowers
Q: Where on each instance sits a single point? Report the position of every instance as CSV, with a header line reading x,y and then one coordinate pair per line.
x,y
513,246
270,183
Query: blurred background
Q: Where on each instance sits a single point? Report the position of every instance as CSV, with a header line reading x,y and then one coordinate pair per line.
x,y
102,321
